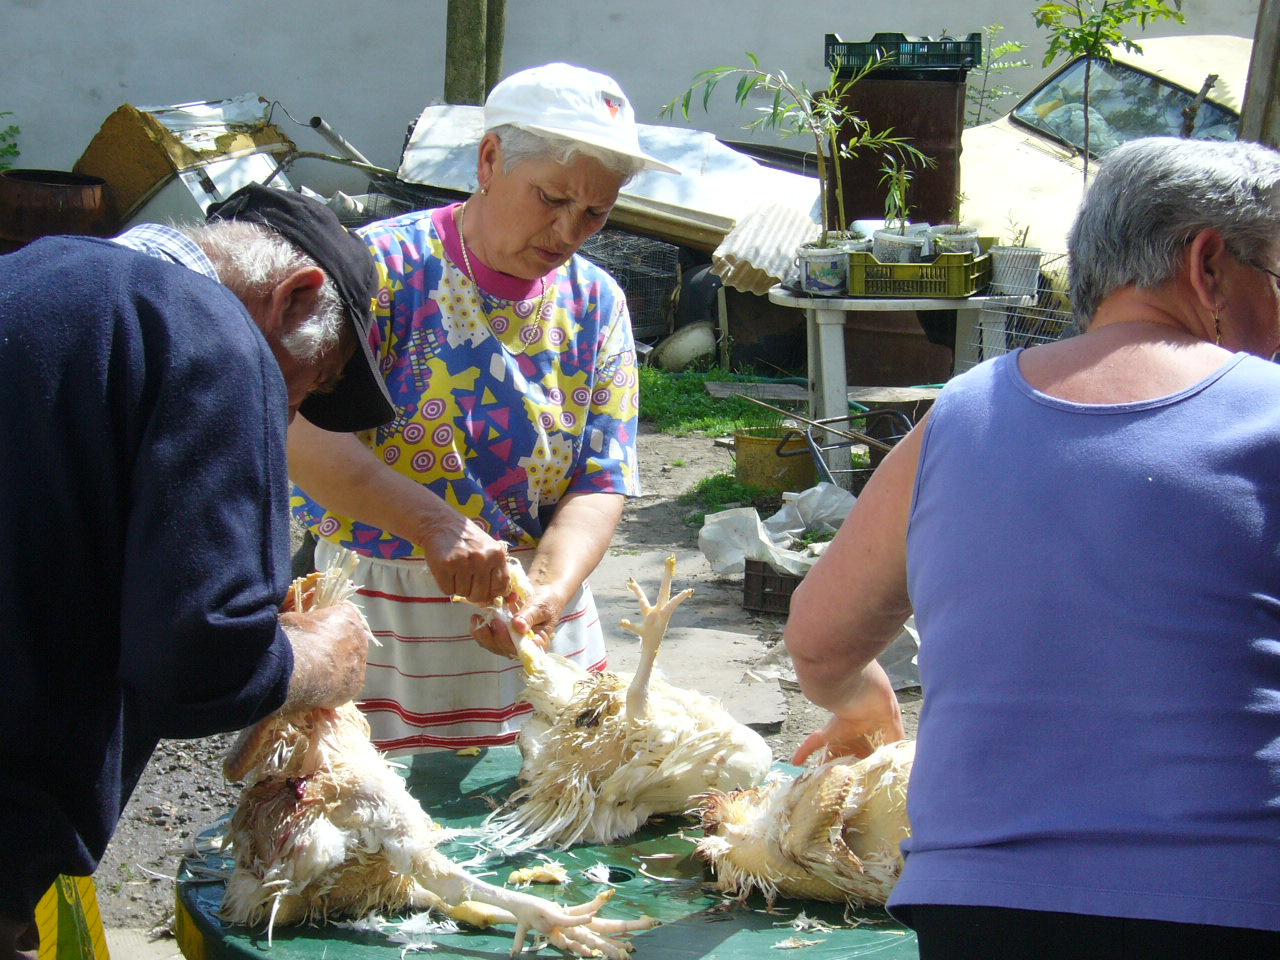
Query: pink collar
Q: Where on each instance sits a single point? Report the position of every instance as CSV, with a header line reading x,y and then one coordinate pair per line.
x,y
502,285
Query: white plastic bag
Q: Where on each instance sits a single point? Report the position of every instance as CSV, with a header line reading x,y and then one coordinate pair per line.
x,y
731,537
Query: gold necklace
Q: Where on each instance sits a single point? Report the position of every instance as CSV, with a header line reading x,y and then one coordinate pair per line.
x,y
471,274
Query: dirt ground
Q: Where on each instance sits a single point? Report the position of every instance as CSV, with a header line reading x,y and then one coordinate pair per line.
x,y
182,790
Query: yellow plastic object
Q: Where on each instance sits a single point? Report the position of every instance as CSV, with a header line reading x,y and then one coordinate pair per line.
x,y
773,459
950,275
69,921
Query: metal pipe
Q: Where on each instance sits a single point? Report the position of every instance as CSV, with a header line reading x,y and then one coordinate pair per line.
x,y
339,142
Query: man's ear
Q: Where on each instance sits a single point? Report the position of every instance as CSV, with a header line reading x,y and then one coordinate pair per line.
x,y
294,299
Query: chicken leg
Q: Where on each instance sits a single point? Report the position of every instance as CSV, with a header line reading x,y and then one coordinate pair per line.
x,y
603,752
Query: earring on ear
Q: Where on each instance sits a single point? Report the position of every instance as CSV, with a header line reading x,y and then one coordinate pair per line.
x,y
1217,329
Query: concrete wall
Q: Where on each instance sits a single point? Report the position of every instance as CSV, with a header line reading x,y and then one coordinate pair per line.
x,y
369,67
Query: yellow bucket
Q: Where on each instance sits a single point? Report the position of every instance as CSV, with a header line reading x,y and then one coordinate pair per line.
x,y
761,463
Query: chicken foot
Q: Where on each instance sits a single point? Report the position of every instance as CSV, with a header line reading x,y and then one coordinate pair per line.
x,y
655,619
575,930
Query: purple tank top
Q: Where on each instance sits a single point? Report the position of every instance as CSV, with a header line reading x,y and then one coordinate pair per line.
x,y
1097,589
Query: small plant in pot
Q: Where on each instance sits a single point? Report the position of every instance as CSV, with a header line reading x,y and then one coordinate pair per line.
x,y
795,110
1015,267
899,241
955,236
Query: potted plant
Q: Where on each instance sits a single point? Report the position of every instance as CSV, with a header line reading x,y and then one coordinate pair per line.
x,y
955,236
899,241
1015,267
837,132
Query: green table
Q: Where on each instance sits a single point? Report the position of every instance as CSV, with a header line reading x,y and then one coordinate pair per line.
x,y
459,792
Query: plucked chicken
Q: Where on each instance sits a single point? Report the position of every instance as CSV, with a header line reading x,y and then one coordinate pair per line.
x,y
832,833
326,829
603,752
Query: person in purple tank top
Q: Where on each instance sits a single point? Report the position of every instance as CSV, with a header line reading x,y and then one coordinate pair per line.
x,y
1088,534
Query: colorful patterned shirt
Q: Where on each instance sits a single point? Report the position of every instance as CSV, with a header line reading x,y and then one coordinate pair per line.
x,y
499,412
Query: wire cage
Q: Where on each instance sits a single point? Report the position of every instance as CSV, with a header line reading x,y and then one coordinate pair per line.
x,y
647,270
1038,312
389,197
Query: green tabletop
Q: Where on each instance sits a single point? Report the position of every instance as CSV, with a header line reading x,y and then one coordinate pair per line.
x,y
654,873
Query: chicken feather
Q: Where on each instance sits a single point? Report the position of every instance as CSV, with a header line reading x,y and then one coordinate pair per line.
x,y
603,752
326,828
832,833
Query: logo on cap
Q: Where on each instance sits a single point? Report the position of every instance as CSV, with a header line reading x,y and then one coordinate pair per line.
x,y
613,105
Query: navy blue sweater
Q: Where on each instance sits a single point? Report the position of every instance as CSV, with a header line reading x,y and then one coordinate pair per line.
x,y
143,502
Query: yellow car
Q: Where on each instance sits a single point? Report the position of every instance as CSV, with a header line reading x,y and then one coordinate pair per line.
x,y
1025,170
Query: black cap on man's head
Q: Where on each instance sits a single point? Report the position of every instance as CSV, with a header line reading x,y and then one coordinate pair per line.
x,y
360,400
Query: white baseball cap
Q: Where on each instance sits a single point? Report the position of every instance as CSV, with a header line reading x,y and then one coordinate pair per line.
x,y
562,100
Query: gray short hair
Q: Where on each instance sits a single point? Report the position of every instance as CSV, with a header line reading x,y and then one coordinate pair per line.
x,y
1151,196
519,144
252,259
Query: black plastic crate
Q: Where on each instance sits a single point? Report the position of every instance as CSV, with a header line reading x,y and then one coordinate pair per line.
x,y
764,590
898,50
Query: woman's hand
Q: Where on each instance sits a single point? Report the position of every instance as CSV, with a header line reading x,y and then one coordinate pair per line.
x,y
540,615
572,546
843,738
467,562
870,719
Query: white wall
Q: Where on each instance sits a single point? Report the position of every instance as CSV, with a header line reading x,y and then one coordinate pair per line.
x,y
369,67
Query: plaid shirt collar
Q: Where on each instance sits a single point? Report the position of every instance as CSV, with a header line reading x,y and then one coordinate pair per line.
x,y
166,243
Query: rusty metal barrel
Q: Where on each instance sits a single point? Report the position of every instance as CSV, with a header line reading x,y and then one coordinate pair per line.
x,y
39,203
926,106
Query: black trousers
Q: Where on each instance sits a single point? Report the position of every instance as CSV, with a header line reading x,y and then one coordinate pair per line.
x,y
997,933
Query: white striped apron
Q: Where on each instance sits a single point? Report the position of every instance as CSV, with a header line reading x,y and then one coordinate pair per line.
x,y
430,686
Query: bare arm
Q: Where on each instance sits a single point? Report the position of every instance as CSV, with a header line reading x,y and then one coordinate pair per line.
x,y
340,472
851,605
573,545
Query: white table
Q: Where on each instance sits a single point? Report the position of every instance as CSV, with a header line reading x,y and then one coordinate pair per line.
x,y
824,337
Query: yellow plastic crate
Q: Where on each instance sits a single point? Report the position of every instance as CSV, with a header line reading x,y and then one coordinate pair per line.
x,y
950,275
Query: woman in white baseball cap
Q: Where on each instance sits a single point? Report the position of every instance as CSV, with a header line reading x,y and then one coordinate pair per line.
x,y
511,364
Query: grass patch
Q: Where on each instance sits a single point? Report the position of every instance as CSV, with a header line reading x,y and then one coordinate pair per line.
x,y
678,403
723,490
810,537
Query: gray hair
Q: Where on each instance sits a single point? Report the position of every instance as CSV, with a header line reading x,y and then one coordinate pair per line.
x,y
252,259
1152,196
519,144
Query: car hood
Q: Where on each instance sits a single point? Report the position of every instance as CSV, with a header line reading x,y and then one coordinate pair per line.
x,y
1012,179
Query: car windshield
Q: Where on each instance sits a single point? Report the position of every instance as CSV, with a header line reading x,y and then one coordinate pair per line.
x,y
1124,104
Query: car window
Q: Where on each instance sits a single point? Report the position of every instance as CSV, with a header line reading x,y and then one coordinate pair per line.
x,y
1124,104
